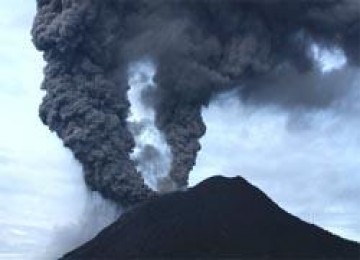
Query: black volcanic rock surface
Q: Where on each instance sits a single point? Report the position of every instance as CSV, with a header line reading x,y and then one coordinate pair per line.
x,y
219,218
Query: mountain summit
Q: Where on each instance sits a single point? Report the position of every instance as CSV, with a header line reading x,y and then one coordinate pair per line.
x,y
219,218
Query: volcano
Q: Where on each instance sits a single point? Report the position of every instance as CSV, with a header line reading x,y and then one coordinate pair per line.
x,y
219,218
262,50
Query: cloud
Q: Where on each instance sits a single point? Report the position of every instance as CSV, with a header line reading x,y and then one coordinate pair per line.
x,y
44,202
306,160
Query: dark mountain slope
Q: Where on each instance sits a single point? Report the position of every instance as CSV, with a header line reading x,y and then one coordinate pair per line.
x,y
219,218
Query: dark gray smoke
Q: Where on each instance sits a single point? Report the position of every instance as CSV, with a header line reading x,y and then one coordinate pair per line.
x,y
200,48
86,85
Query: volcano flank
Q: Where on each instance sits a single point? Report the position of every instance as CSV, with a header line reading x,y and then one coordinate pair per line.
x,y
220,218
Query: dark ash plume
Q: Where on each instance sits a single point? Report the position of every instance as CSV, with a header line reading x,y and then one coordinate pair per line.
x,y
85,102
200,48
291,90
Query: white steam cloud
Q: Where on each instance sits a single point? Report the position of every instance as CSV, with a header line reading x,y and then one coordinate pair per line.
x,y
45,206
328,59
151,154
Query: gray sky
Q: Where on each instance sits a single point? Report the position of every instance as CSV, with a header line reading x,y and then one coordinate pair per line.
x,y
43,199
306,162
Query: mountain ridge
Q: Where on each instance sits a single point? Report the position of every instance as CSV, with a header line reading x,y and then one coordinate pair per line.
x,y
218,218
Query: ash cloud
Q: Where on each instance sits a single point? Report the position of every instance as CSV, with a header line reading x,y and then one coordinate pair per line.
x,y
200,48
294,91
85,102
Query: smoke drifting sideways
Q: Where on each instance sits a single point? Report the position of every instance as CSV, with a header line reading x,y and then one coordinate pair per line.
x,y
313,147
199,48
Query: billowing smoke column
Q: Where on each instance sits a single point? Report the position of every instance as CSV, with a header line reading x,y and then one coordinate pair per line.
x,y
199,48
86,86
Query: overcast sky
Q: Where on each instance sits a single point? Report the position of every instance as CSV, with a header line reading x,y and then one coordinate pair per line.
x,y
39,179
306,162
